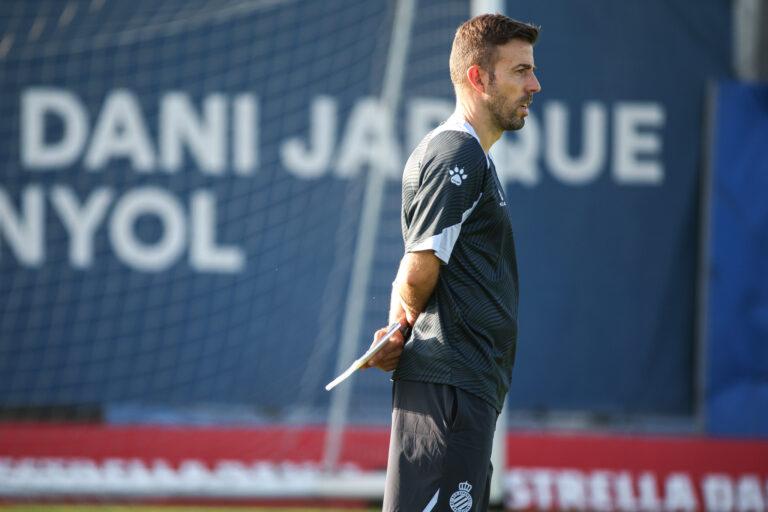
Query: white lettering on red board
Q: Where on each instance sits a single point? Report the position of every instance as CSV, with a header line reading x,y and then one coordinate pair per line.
x,y
598,490
623,491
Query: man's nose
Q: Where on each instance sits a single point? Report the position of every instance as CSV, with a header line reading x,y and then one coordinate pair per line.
x,y
533,85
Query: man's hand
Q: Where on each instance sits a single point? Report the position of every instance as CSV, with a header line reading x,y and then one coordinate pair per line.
x,y
389,355
415,282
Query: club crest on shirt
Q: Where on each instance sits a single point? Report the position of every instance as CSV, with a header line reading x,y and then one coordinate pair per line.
x,y
461,500
457,175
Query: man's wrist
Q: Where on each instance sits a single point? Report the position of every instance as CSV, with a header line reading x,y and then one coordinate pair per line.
x,y
396,311
409,311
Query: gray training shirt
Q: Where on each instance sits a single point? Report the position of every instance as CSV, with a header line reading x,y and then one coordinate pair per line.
x,y
454,205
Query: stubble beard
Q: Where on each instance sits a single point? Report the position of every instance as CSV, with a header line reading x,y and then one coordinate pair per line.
x,y
505,117
507,121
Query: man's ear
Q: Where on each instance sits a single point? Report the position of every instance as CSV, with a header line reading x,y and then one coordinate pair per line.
x,y
477,78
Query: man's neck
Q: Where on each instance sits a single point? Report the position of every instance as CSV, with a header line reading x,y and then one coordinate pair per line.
x,y
480,120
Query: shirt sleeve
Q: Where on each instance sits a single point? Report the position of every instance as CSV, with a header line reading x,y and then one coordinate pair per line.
x,y
450,187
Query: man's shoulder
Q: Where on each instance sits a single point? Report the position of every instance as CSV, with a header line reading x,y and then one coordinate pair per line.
x,y
454,142
453,147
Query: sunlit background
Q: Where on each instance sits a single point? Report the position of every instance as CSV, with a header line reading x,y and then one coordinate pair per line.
x,y
200,222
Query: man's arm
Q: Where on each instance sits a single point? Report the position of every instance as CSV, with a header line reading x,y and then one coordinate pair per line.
x,y
415,282
414,285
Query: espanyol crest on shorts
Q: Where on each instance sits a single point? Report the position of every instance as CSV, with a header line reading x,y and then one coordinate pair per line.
x,y
461,500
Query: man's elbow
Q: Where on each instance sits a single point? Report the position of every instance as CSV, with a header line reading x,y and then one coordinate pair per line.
x,y
417,280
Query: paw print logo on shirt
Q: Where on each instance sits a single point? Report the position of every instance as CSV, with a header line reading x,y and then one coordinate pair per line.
x,y
457,175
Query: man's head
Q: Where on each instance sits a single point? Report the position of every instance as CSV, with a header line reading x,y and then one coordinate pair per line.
x,y
492,59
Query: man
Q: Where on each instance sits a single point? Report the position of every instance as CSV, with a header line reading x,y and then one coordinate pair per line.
x,y
456,287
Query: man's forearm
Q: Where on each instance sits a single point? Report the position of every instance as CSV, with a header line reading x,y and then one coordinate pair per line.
x,y
413,299
396,310
414,285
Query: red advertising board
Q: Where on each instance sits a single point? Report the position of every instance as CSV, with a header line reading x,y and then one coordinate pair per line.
x,y
552,471
599,472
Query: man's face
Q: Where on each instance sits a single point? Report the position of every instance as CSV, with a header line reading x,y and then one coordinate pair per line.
x,y
512,84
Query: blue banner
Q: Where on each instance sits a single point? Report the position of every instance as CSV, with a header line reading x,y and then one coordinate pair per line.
x,y
605,201
183,186
737,327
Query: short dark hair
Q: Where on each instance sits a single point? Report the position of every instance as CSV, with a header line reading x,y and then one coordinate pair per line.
x,y
476,40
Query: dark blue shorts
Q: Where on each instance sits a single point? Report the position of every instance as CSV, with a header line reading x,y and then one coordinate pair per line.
x,y
439,449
